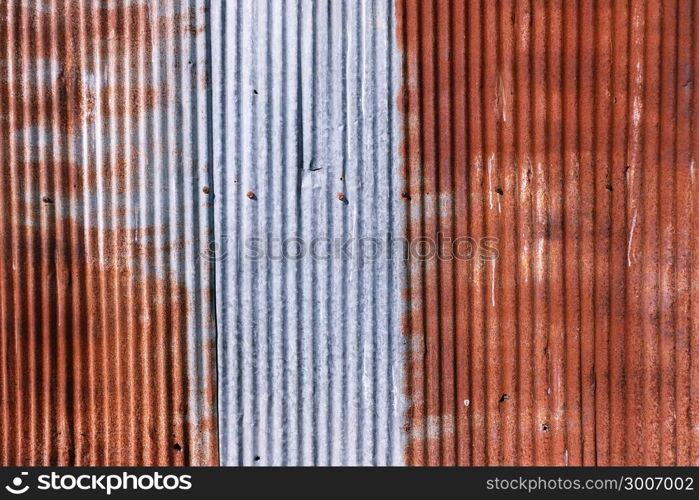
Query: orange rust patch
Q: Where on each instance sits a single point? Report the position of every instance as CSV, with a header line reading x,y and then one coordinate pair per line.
x,y
93,344
72,40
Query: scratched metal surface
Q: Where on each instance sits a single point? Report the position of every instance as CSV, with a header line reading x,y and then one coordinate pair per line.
x,y
107,353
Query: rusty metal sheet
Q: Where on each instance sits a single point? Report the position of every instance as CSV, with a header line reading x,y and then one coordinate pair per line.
x,y
536,157
564,129
107,347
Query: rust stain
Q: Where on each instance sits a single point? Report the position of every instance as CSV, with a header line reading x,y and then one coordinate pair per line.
x,y
564,129
93,319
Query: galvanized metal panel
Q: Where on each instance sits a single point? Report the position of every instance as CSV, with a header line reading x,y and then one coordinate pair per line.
x,y
107,347
310,351
565,130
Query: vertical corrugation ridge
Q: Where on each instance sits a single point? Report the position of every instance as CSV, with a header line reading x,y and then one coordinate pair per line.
x,y
304,157
106,314
567,137
690,87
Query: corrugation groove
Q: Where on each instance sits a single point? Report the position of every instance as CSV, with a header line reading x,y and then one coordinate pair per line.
x,y
107,344
565,130
310,348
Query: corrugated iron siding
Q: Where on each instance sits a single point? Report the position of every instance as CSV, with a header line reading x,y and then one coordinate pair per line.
x,y
558,132
310,351
565,129
107,352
